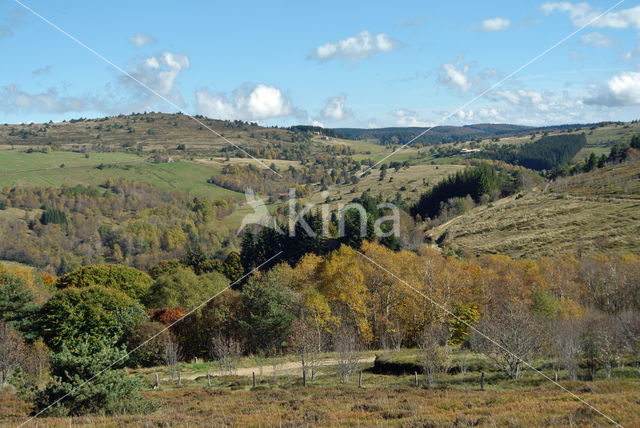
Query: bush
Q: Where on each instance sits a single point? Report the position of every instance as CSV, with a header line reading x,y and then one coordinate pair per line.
x,y
151,353
93,311
182,287
130,281
109,391
268,314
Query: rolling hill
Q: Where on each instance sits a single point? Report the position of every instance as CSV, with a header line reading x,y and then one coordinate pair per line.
x,y
583,214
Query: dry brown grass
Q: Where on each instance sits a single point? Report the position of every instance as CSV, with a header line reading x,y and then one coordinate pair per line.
x,y
406,406
587,213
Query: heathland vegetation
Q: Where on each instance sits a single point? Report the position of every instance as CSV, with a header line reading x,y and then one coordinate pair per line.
x,y
514,261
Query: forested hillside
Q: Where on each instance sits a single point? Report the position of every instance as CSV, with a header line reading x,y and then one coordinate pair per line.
x,y
122,222
544,154
443,134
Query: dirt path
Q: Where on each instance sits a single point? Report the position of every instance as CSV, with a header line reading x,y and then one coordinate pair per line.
x,y
268,369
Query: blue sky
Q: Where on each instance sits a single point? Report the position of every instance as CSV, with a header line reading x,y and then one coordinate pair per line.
x,y
338,64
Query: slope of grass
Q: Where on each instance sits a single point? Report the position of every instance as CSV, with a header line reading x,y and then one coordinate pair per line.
x,y
38,169
587,213
151,131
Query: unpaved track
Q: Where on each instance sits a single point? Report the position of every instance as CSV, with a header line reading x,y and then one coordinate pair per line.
x,y
268,369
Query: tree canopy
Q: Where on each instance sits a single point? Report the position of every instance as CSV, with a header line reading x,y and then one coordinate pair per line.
x,y
130,281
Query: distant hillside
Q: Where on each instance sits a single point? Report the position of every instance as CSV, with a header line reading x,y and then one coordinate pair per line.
x,y
586,213
146,132
450,134
445,134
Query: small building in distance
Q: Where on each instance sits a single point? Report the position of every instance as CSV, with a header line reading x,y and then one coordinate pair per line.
x,y
162,159
467,151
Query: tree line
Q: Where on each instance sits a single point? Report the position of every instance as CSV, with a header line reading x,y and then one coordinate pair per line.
x,y
53,329
544,154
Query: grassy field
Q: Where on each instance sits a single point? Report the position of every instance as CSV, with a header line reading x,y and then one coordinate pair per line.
x,y
383,400
39,169
408,181
594,212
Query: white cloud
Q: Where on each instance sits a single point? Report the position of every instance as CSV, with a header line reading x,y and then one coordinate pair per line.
x,y
455,76
495,24
358,47
481,115
621,90
465,115
334,109
158,72
582,13
13,99
248,103
408,118
521,97
140,40
597,40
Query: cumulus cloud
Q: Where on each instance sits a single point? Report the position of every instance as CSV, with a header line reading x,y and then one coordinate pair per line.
x,y
158,72
140,40
521,97
597,40
358,47
335,109
621,90
247,103
581,14
455,76
12,99
495,24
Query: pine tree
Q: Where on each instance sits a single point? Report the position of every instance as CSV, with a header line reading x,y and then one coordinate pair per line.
x,y
16,308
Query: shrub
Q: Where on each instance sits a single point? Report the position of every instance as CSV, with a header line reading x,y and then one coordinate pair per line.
x,y
182,287
85,383
93,311
130,281
151,353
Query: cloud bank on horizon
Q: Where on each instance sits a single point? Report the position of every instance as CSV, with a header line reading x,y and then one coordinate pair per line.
x,y
391,66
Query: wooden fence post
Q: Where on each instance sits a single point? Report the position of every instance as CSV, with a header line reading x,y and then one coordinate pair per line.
x,y
254,379
415,377
157,382
360,379
208,378
304,377
482,381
